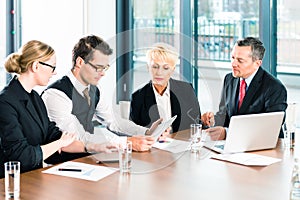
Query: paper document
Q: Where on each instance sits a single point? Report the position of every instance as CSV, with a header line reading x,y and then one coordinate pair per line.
x,y
172,145
162,127
248,159
81,170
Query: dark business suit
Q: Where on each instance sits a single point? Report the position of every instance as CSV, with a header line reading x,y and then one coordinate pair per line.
x,y
24,126
264,94
184,104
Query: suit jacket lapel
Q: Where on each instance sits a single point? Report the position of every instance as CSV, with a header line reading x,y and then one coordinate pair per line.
x,y
175,106
31,109
252,89
234,93
23,97
151,105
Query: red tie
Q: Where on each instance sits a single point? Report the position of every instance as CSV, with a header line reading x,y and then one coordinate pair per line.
x,y
242,92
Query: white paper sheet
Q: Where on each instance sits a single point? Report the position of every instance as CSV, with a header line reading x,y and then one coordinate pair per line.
x,y
88,172
172,145
249,159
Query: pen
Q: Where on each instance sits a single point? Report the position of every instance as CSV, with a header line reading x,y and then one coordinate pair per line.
x,y
69,169
162,141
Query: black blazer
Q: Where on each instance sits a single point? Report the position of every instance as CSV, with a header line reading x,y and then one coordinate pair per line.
x,y
184,104
265,94
24,126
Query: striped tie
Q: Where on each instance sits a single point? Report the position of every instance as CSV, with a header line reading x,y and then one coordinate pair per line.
x,y
87,96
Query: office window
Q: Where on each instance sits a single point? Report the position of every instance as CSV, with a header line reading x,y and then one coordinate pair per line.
x,y
219,24
154,21
288,45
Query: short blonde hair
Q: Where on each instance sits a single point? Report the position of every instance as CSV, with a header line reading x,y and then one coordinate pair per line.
x,y
164,52
33,50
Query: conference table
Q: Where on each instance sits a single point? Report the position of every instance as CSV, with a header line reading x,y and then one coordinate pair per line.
x,y
161,175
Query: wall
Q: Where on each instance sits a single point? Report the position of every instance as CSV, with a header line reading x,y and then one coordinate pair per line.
x,y
102,22
62,23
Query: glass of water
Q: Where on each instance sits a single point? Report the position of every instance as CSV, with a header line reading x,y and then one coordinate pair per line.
x,y
125,154
195,137
289,135
12,179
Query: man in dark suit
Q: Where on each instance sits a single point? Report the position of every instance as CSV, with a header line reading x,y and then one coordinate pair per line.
x,y
164,97
263,92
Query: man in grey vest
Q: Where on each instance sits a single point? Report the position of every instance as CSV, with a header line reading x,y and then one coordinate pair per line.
x,y
74,100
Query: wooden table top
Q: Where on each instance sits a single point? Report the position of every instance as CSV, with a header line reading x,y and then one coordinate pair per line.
x,y
161,175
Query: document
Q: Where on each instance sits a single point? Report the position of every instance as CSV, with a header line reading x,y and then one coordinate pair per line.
x,y
172,145
248,159
81,171
162,127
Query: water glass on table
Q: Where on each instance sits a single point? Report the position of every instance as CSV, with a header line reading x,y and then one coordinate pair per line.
x,y
195,137
12,179
289,135
125,154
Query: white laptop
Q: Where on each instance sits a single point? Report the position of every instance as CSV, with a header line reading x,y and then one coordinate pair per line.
x,y
249,133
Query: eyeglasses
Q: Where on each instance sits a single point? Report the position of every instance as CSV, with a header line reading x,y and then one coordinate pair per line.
x,y
99,68
53,67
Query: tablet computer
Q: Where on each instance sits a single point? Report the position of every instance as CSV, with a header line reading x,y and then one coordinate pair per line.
x,y
112,157
162,127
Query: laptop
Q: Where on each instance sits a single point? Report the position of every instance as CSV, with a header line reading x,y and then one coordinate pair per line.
x,y
249,133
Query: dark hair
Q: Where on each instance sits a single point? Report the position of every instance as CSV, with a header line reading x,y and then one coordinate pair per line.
x,y
257,48
86,47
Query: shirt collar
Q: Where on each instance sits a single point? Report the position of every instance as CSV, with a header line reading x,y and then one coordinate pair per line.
x,y
77,85
250,78
166,93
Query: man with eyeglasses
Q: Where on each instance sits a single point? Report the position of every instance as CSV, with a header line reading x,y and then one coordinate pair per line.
x,y
74,100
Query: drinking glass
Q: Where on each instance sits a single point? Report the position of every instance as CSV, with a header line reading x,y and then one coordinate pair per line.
x,y
195,137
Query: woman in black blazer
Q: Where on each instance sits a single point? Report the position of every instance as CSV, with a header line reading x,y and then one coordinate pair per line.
x,y
164,97
27,135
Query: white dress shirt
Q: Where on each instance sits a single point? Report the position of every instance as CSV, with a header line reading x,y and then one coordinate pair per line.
x,y
59,107
249,79
163,103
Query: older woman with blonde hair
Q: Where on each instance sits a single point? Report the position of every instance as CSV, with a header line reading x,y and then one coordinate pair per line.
x,y
164,97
